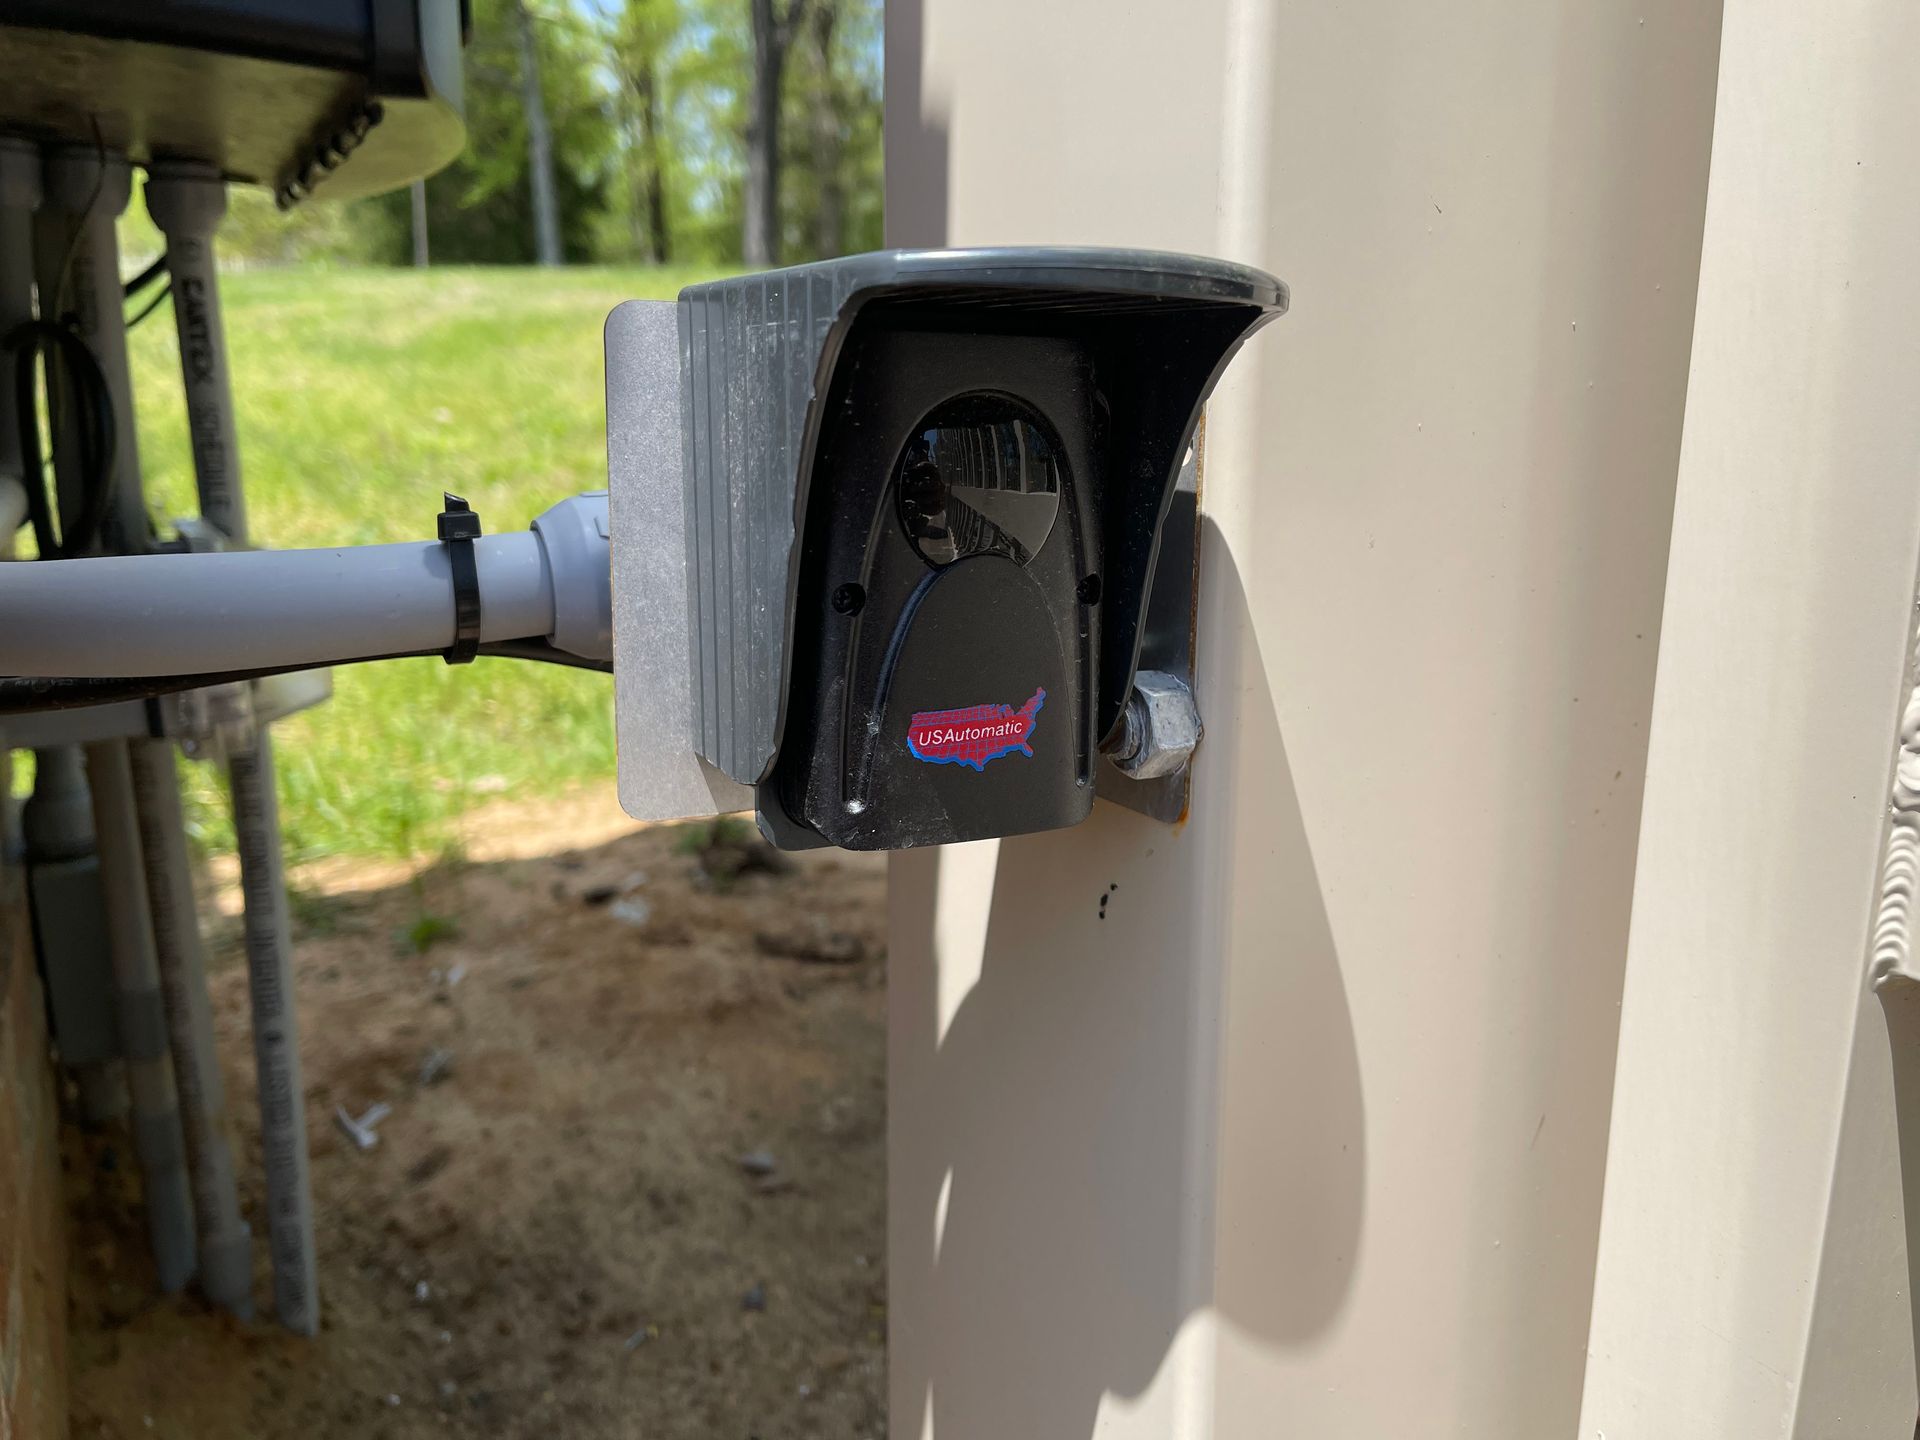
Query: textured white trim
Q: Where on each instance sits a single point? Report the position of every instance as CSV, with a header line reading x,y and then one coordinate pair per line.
x,y
1893,923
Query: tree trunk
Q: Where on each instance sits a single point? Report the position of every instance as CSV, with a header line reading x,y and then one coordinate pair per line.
x,y
420,224
760,228
656,187
546,210
633,130
829,236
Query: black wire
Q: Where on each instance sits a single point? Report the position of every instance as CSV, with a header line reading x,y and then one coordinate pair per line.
x,y
546,653
145,278
152,305
33,694
86,388
79,226
29,694
57,333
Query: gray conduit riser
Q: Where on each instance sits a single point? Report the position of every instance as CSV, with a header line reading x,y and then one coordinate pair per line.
x,y
187,202
63,870
78,262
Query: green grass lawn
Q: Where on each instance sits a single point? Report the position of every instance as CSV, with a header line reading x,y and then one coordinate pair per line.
x,y
362,395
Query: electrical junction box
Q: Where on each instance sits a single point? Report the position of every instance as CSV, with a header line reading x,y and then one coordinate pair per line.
x,y
336,98
886,532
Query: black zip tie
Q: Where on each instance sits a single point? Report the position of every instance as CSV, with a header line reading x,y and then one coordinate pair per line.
x,y
459,527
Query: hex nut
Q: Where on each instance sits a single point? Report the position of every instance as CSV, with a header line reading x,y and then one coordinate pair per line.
x,y
1160,727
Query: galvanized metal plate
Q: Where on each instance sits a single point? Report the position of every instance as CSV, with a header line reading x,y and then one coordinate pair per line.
x,y
660,777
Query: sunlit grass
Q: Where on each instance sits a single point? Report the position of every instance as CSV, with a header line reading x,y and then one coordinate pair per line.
x,y
361,396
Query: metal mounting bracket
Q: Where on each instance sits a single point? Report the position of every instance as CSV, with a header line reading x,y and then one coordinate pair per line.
x,y
1166,650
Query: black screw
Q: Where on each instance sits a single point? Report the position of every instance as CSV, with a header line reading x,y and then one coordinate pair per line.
x,y
849,598
1088,590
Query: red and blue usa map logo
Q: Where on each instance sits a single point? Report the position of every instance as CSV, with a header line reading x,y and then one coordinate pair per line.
x,y
973,734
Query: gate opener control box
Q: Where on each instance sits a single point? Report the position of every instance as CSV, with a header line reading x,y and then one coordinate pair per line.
x,y
885,532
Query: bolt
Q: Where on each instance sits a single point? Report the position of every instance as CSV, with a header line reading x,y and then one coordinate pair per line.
x,y
1159,727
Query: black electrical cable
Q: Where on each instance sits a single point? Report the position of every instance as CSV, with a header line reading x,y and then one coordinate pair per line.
x,y
152,305
86,390
33,694
145,278
73,239
545,652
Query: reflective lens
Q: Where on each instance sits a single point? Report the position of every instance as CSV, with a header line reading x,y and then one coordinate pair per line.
x,y
978,477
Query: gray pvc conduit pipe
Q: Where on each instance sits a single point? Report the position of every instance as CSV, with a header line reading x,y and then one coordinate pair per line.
x,y
137,801
78,262
224,1241
226,1244
140,1011
63,870
242,610
276,1038
187,201
267,927
57,820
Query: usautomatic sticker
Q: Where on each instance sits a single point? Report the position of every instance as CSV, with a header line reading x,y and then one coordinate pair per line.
x,y
973,734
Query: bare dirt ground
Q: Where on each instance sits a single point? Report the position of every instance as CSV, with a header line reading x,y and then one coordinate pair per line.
x,y
557,1235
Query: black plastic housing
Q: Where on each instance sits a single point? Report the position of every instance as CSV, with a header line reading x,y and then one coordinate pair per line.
x,y
880,691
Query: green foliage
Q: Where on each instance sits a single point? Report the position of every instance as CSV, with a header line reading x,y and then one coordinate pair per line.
x,y
640,94
831,155
315,912
258,232
361,395
696,55
427,931
639,41
644,97
480,208
721,832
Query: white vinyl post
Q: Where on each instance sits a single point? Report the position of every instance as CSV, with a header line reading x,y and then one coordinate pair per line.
x,y
1307,1135
1750,1279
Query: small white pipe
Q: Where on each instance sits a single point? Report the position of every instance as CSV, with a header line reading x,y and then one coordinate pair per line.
x,y
140,1012
276,1038
244,610
226,1244
187,200
59,836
